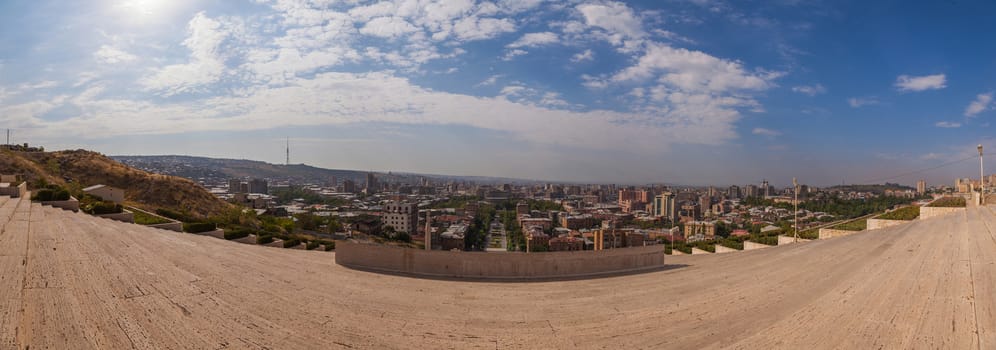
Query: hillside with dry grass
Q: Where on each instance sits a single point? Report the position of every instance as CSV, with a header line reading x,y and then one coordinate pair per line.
x,y
78,169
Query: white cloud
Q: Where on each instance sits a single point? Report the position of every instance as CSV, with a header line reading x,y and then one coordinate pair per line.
x,y
475,28
111,55
946,124
927,82
586,55
694,71
765,132
513,53
614,17
388,27
205,64
811,90
534,40
856,102
490,80
982,102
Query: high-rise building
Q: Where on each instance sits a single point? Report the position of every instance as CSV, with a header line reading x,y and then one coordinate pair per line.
x,y
733,192
750,191
371,183
665,206
235,186
921,187
765,189
348,186
705,203
258,186
403,216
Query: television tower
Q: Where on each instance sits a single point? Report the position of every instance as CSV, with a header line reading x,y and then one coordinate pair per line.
x,y
288,152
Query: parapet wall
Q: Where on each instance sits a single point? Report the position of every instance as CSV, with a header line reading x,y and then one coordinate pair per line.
x,y
874,224
497,265
748,245
826,233
929,212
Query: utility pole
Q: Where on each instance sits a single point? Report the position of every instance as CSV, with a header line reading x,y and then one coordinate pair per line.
x,y
982,179
796,213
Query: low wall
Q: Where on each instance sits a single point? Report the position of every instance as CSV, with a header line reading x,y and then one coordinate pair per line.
x,y
14,191
172,226
826,233
874,224
788,240
748,245
497,265
929,212
125,216
722,249
677,252
697,251
72,204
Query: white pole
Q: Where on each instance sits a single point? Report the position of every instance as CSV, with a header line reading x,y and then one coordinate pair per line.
x,y
796,213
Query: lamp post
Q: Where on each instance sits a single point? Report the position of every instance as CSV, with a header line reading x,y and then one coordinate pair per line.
x,y
982,178
795,184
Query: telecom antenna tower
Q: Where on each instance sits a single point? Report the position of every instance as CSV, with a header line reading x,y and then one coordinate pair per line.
x,y
287,162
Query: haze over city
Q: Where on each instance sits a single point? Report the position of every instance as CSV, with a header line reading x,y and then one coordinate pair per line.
x,y
689,92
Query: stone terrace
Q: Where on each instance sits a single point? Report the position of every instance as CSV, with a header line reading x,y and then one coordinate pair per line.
x,y
72,281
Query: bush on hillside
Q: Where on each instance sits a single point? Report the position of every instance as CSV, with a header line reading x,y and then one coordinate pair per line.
x,y
175,215
312,245
264,239
293,242
198,227
236,233
49,194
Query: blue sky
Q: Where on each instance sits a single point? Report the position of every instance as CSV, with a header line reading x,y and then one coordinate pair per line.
x,y
691,92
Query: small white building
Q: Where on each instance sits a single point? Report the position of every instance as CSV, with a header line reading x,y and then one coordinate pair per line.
x,y
106,193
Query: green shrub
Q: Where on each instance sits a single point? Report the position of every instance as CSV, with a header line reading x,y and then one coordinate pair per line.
x,y
312,245
907,213
175,215
808,234
236,233
949,202
101,208
330,246
768,240
142,218
732,243
856,225
198,227
293,242
264,239
51,194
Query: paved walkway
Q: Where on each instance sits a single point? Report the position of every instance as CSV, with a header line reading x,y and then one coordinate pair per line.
x,y
71,281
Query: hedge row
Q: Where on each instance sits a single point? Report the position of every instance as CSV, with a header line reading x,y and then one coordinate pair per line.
x,y
49,194
907,213
949,202
236,233
198,227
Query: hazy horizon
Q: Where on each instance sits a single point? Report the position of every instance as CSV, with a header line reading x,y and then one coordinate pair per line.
x,y
692,92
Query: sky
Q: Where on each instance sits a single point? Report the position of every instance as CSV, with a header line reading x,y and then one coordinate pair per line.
x,y
695,92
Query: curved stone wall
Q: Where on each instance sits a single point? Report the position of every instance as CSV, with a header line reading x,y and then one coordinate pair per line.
x,y
497,265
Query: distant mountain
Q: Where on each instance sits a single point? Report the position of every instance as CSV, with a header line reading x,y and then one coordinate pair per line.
x,y
217,168
77,169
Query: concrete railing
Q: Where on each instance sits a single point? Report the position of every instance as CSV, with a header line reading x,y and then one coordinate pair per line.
x,y
826,233
874,224
929,212
748,245
697,251
497,265
782,239
722,249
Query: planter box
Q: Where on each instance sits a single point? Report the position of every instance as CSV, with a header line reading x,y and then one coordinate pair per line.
x,y
14,191
677,252
124,216
219,233
72,204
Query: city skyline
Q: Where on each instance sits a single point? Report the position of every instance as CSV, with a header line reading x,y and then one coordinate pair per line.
x,y
696,92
